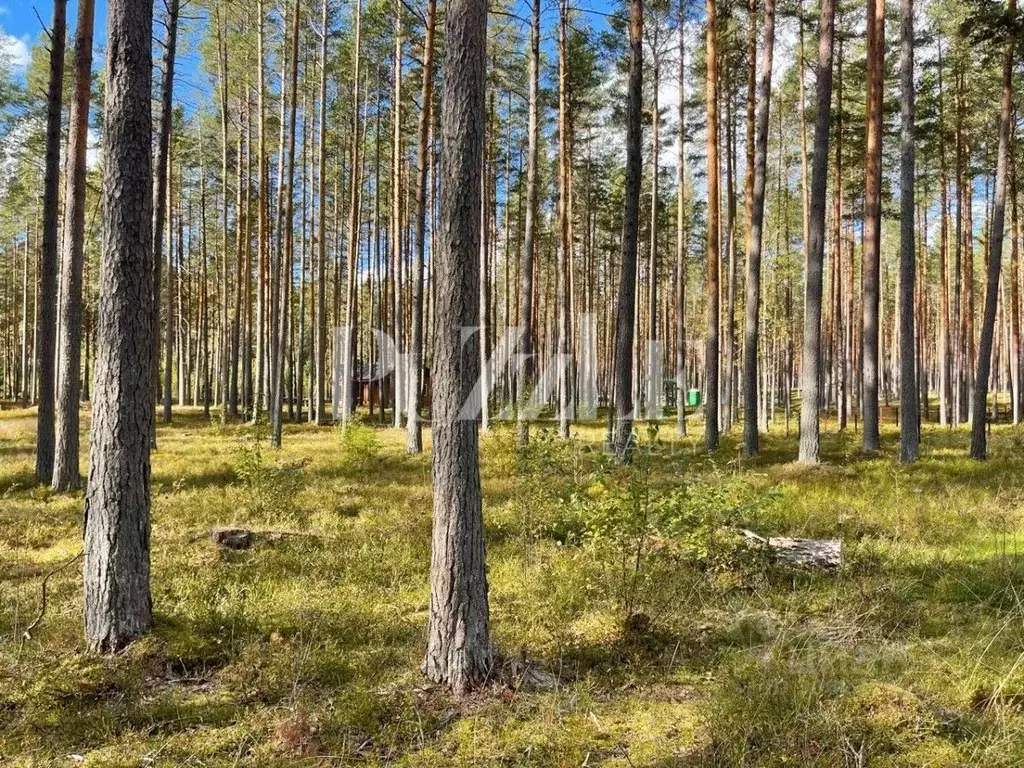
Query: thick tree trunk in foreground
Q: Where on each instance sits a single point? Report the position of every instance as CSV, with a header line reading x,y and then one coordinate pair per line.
x,y
414,425
810,370
751,320
46,325
995,256
872,224
69,390
630,231
714,257
118,608
909,413
459,652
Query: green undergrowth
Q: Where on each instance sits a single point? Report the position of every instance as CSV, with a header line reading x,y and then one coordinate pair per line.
x,y
672,639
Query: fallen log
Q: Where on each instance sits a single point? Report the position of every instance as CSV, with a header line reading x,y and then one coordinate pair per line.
x,y
805,554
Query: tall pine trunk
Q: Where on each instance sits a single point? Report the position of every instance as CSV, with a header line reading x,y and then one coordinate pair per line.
x,y
681,235
459,653
565,225
118,607
162,179
909,413
630,231
872,223
811,368
946,326
995,255
69,359
524,384
711,352
414,425
751,320
46,325
320,305
355,181
281,276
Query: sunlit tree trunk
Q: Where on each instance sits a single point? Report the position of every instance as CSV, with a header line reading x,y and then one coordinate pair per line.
x,y
711,360
459,653
524,384
1016,371
909,414
414,441
401,385
946,327
995,254
751,324
118,607
355,182
872,223
69,359
162,180
681,234
810,369
46,325
281,277
630,227
223,367
805,188
565,244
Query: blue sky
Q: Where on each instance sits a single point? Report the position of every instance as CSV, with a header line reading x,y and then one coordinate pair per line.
x,y
20,28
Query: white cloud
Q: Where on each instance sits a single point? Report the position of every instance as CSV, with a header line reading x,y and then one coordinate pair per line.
x,y
15,50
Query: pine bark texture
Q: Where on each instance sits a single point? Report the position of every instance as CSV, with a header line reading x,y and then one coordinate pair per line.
x,y
414,423
811,369
751,320
872,224
46,325
527,346
118,608
459,652
995,256
630,233
160,202
909,413
69,359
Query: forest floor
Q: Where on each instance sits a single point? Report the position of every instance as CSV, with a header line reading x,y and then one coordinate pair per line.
x,y
669,639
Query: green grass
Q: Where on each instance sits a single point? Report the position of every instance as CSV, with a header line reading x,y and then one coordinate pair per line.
x,y
305,649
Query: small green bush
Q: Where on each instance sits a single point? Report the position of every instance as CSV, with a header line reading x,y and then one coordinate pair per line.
x,y
359,446
639,531
269,489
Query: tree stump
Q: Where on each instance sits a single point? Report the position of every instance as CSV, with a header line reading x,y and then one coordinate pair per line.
x,y
232,538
